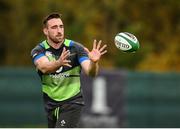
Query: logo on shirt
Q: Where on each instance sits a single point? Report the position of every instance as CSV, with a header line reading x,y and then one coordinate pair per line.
x,y
50,56
35,54
48,53
58,74
59,70
63,122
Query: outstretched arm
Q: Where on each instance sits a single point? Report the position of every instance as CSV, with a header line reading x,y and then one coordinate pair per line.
x,y
46,66
91,67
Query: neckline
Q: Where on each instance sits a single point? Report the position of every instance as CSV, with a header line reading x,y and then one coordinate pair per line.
x,y
47,45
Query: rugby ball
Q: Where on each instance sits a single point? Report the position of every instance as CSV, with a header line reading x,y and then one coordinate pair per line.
x,y
126,42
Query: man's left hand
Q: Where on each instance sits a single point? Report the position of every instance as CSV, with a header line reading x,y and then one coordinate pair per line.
x,y
97,51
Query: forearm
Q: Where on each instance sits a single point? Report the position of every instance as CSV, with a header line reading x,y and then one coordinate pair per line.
x,y
93,69
46,66
49,67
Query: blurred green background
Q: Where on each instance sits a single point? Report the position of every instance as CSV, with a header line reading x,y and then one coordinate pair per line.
x,y
156,24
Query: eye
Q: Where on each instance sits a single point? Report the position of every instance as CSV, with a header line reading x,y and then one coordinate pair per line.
x,y
54,27
61,26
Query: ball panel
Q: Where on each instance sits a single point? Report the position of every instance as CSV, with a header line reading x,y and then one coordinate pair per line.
x,y
126,42
134,45
129,36
121,43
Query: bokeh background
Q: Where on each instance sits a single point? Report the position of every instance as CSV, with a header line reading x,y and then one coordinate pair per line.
x,y
139,89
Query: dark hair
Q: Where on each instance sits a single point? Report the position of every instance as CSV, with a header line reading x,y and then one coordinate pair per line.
x,y
49,17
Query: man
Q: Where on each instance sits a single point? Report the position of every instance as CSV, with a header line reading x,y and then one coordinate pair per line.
x,y
59,62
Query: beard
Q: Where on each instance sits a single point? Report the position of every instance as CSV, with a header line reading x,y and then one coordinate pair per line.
x,y
57,39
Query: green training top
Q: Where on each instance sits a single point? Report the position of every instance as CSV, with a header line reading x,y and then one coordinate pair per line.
x,y
65,82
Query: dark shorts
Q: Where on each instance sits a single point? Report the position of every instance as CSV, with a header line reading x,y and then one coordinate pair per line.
x,y
65,116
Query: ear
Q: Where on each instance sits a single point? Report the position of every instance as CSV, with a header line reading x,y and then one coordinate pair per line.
x,y
45,31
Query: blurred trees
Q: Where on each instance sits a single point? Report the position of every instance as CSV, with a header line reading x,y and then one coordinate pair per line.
x,y
156,23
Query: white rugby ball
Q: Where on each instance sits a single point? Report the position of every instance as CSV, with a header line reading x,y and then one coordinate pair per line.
x,y
126,42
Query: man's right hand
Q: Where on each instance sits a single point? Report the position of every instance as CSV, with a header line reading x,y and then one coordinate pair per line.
x,y
45,66
63,61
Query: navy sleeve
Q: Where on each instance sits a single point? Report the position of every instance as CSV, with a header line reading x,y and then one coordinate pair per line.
x,y
82,54
36,53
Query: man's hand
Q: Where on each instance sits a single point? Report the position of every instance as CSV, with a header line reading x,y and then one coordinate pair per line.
x,y
46,66
63,61
97,51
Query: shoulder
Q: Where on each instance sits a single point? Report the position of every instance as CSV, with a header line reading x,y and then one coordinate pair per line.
x,y
37,49
72,43
76,45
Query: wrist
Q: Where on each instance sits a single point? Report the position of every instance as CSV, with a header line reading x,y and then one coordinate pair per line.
x,y
94,62
58,63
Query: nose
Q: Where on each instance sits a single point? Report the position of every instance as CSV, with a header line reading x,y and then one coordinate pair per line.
x,y
59,29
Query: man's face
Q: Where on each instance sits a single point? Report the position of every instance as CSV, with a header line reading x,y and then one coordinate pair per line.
x,y
55,30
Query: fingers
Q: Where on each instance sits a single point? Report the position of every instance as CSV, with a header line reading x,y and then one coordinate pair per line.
x,y
99,48
99,44
94,44
63,58
104,46
66,63
65,53
105,51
